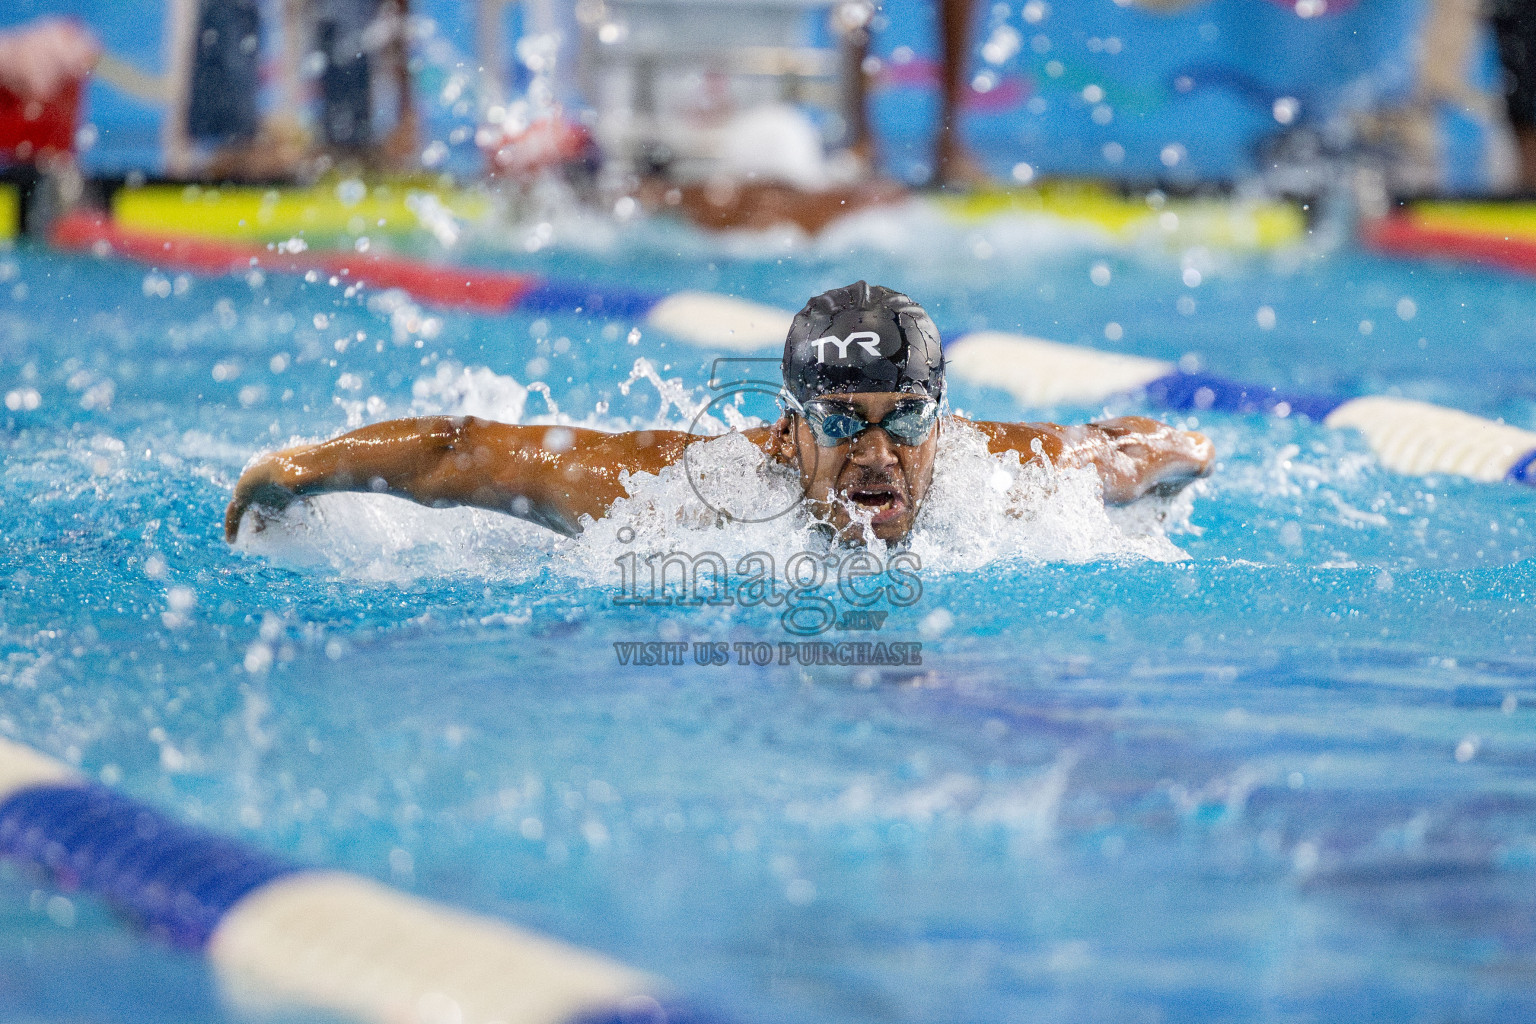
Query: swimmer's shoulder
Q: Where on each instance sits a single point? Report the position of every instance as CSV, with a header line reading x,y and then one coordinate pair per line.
x,y
1015,437
646,451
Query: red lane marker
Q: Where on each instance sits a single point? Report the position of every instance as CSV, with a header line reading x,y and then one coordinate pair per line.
x,y
1402,236
460,287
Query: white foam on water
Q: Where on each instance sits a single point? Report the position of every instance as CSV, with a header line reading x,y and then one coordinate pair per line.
x,y
456,390
985,507
915,236
923,233
382,539
725,497
1029,808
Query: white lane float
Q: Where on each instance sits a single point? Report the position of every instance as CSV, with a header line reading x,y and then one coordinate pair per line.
x,y
1409,437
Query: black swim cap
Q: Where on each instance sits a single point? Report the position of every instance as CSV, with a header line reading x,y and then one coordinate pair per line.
x,y
862,338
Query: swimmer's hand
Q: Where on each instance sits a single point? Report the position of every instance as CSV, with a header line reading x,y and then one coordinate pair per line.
x,y
263,489
1138,456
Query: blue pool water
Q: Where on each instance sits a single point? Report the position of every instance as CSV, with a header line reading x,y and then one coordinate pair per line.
x,y
1264,755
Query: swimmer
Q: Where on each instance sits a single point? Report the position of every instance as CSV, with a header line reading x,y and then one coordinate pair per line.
x,y
863,394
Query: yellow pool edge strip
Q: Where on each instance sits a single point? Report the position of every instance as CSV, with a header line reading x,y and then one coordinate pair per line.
x,y
1233,223
251,213
1507,219
10,212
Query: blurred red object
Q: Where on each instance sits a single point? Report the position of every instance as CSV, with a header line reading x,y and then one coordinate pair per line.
x,y
42,64
548,142
32,130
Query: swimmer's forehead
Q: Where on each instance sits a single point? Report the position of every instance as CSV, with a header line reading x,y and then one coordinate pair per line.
x,y
869,397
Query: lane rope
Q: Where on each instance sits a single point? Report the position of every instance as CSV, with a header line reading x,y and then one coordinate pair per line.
x,y
1401,235
486,291
1413,438
277,931
1408,437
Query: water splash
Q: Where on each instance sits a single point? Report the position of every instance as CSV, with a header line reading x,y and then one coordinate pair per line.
x,y
456,390
984,507
674,395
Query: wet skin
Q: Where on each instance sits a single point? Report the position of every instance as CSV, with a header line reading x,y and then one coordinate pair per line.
x,y
554,476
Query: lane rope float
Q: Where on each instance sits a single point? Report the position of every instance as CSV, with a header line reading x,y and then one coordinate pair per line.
x,y
466,288
1409,437
321,939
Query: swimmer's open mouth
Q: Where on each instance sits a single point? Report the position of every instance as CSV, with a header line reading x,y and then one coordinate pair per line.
x,y
884,501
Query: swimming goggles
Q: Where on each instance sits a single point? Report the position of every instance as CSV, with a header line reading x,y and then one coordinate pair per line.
x,y
834,424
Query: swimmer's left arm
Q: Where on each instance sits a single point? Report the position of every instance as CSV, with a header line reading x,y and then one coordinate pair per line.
x,y
1134,455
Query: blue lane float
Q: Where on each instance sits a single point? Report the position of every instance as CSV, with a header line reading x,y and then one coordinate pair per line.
x,y
569,297
280,932
176,883
1198,392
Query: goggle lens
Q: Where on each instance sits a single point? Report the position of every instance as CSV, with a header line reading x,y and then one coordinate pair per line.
x,y
835,424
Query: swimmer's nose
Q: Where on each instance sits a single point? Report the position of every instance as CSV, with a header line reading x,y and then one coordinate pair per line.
x,y
873,448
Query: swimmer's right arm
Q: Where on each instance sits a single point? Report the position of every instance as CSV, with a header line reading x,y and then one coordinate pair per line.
x,y
548,475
